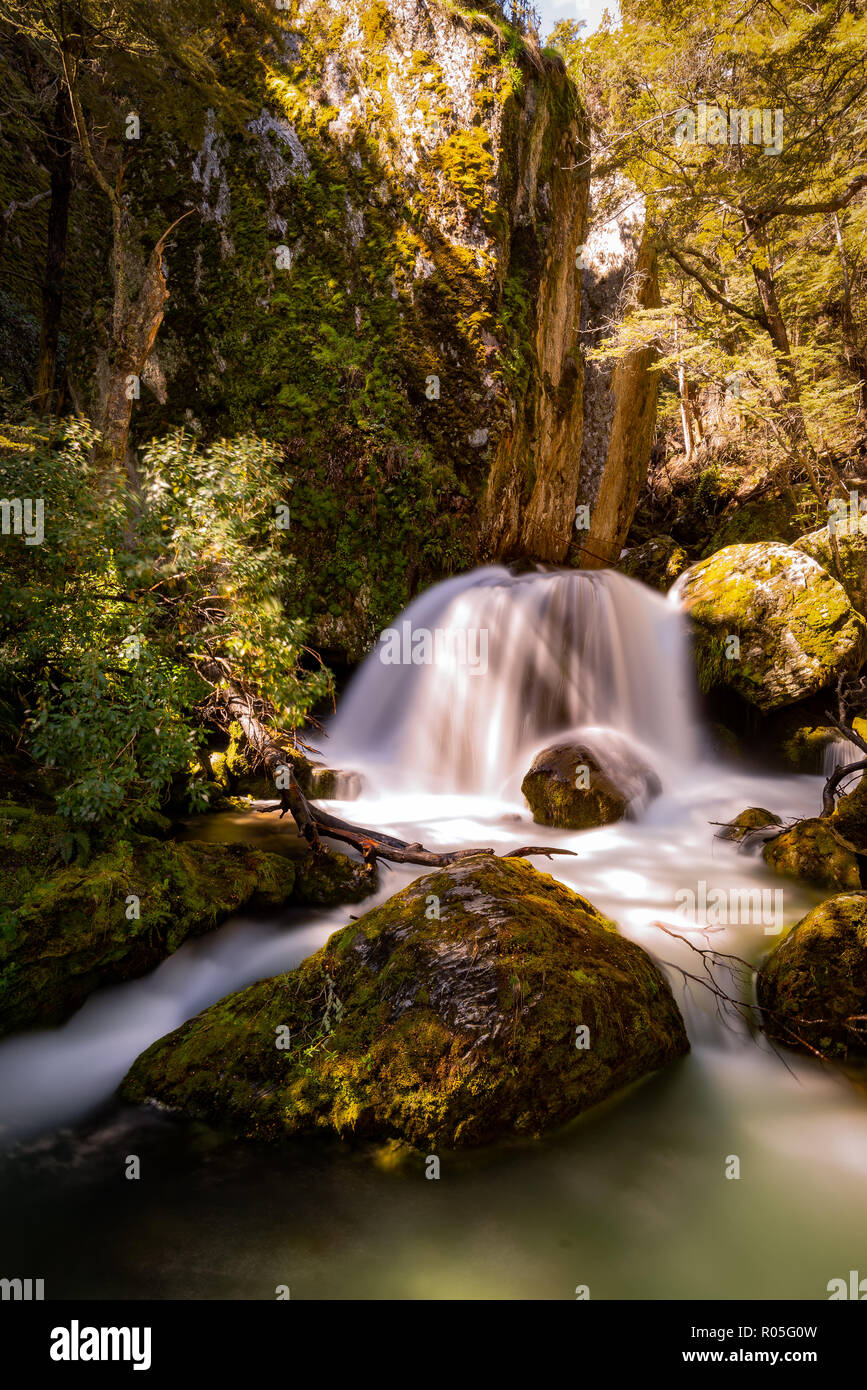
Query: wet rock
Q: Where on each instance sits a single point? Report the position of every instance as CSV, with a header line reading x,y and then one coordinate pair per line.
x,y
770,623
575,786
748,827
813,988
70,929
850,815
812,850
447,1016
325,879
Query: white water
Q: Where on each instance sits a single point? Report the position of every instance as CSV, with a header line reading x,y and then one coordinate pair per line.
x,y
444,752
564,651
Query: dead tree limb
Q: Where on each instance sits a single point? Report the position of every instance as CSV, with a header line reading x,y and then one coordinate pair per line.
x,y
248,711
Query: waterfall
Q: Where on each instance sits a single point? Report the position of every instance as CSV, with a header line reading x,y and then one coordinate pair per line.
x,y
482,670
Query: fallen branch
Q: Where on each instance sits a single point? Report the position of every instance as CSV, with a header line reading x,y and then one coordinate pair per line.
x,y
375,844
751,1014
240,706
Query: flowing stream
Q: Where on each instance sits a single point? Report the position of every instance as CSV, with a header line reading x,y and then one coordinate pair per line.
x,y
632,1199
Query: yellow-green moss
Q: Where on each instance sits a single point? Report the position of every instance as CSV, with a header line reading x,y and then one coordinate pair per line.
x,y
450,1029
813,987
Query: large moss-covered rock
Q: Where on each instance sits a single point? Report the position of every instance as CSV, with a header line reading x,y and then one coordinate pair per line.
x,y
847,559
71,922
812,850
657,562
813,988
795,626
569,785
445,1017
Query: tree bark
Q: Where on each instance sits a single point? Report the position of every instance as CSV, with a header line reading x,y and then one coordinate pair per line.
x,y
854,356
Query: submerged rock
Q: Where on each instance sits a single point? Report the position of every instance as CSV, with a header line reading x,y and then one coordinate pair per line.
x,y
451,1015
812,850
813,988
770,623
574,786
71,928
752,824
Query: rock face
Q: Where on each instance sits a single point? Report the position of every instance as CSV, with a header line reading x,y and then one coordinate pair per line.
x,y
812,850
813,987
795,627
847,560
385,279
440,1030
620,275
379,276
657,562
570,785
70,930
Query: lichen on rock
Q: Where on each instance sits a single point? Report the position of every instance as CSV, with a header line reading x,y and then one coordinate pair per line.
x,y
770,623
811,850
448,1016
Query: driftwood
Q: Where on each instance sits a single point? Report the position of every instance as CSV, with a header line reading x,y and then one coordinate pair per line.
x,y
238,705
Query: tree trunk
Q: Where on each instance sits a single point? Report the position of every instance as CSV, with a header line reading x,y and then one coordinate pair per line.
x,y
854,356
133,337
794,424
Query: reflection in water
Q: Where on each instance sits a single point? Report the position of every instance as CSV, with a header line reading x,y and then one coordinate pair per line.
x,y
632,1199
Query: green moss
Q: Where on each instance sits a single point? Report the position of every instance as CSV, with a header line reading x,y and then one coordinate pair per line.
x,y
813,987
434,1030
753,818
813,851
658,562
65,931
795,626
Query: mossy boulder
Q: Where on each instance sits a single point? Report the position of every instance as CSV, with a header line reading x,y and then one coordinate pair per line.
x,y
69,930
770,623
657,562
847,560
849,819
72,921
328,878
569,785
446,1017
812,850
749,825
813,988
764,519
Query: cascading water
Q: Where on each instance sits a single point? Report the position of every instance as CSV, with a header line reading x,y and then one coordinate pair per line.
x,y
634,1201
528,657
